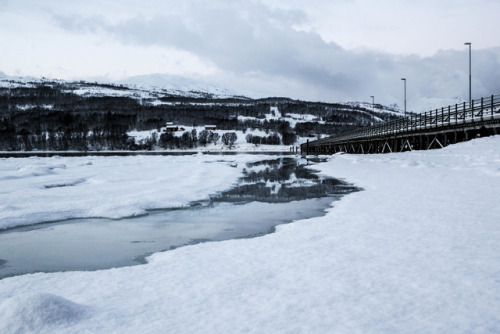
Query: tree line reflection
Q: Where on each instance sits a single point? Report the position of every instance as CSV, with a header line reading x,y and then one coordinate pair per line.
x,y
282,180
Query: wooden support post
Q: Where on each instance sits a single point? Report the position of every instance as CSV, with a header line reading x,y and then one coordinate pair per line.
x,y
388,146
432,142
405,142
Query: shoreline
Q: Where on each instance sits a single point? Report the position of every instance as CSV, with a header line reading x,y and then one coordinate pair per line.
x,y
47,154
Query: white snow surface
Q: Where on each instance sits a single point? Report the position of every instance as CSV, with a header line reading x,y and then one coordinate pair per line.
x,y
416,252
37,189
275,114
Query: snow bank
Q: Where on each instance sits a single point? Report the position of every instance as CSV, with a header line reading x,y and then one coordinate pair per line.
x,y
37,190
416,252
40,313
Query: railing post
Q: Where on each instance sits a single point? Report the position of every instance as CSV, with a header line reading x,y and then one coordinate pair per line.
x,y
482,110
472,110
456,113
464,113
442,116
492,112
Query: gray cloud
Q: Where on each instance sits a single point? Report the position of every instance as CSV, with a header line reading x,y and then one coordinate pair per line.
x,y
250,40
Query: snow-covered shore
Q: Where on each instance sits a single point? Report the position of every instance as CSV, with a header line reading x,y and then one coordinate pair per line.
x,y
39,189
416,252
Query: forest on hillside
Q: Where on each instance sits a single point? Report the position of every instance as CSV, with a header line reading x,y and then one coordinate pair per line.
x,y
53,116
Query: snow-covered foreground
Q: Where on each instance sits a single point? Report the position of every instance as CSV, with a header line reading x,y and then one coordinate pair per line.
x,y
416,252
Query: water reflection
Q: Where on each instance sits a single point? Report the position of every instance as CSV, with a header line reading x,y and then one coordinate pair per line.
x,y
268,193
279,181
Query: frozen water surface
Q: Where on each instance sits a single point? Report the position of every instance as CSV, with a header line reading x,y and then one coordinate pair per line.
x,y
269,192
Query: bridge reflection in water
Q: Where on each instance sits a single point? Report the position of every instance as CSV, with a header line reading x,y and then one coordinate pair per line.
x,y
432,129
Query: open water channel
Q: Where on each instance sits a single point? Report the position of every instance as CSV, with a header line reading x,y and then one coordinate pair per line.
x,y
270,192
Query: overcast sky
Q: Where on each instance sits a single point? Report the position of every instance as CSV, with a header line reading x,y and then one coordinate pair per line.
x,y
328,50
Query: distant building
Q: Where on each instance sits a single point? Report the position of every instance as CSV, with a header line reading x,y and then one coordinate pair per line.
x,y
210,127
172,128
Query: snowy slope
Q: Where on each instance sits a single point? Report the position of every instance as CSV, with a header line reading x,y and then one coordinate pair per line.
x,y
175,85
376,108
416,252
141,87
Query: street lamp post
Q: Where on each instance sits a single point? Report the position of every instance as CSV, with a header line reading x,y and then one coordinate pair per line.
x,y
470,74
404,79
373,102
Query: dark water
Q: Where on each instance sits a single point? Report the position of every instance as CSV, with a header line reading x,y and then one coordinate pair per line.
x,y
270,192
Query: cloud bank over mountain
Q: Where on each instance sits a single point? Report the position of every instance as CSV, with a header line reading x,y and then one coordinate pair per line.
x,y
267,48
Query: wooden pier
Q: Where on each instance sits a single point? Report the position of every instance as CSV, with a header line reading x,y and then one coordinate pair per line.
x,y
432,129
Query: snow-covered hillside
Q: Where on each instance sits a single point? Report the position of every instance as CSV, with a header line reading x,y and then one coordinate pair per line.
x,y
145,87
75,114
176,85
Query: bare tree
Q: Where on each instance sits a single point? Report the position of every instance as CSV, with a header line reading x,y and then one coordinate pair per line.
x,y
215,137
229,138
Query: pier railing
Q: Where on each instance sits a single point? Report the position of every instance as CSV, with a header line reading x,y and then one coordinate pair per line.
x,y
477,111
